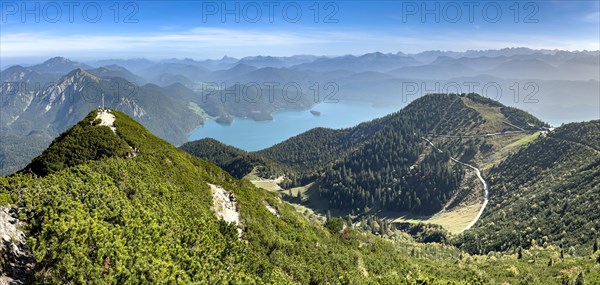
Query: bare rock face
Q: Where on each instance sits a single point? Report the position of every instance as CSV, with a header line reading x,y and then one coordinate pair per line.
x,y
15,262
226,207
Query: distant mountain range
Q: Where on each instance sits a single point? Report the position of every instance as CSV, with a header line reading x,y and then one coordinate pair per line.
x,y
548,83
557,86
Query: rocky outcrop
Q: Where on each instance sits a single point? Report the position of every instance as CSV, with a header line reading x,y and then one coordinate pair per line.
x,y
15,262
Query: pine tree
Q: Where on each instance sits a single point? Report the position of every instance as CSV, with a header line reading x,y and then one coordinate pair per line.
x,y
595,246
520,253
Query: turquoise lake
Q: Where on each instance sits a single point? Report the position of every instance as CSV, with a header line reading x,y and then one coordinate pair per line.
x,y
250,135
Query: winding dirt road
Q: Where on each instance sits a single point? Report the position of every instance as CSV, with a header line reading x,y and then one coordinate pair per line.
x,y
485,185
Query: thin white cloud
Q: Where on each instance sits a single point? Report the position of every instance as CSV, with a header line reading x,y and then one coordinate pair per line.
x,y
20,44
217,42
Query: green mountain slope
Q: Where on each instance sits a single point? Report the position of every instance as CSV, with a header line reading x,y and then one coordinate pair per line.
x,y
385,164
83,142
150,218
235,161
547,192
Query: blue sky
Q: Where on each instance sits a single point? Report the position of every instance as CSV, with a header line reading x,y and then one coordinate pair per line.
x,y
203,29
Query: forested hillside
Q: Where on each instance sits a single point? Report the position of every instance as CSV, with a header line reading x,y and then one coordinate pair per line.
x,y
150,218
542,191
547,192
386,171
83,142
385,164
235,161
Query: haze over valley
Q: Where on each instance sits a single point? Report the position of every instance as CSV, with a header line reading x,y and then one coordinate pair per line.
x,y
184,94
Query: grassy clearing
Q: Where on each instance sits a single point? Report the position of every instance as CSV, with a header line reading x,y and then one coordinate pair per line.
x,y
302,191
271,185
510,145
297,196
522,141
493,116
454,220
267,185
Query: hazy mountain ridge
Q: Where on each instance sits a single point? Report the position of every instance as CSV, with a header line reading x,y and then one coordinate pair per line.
x,y
53,107
555,82
58,65
64,103
117,71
